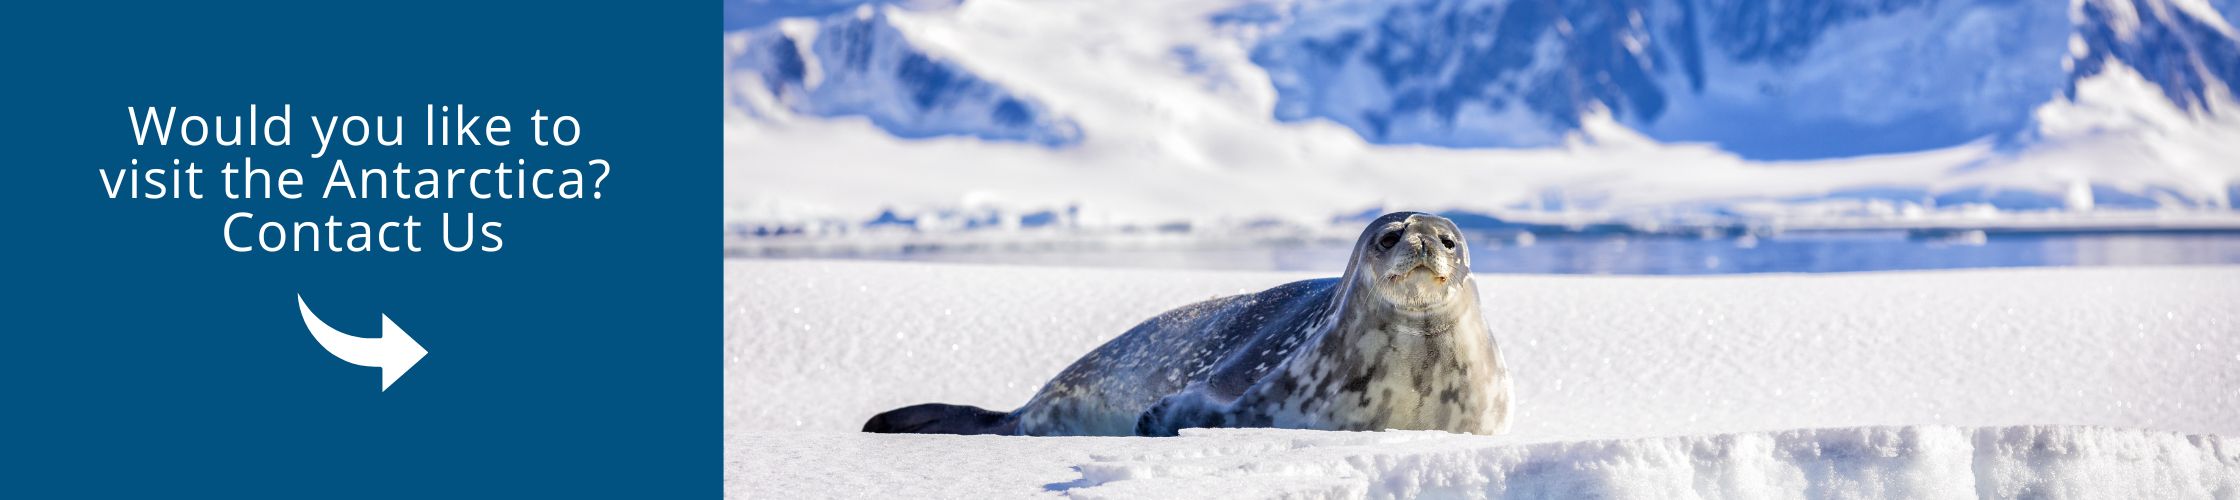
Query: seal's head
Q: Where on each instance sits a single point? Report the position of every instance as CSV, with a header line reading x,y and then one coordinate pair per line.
x,y
1415,262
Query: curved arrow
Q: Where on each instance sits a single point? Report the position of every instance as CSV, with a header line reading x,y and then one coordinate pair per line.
x,y
394,352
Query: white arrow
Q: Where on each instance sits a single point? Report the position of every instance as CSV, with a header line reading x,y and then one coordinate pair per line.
x,y
394,352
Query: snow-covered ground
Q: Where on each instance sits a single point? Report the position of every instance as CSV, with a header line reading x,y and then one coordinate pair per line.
x,y
1877,462
2071,383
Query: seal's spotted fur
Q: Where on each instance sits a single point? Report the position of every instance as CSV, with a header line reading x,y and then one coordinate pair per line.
x,y
1396,343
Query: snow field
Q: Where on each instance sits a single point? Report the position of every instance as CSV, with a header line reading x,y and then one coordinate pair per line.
x,y
2064,383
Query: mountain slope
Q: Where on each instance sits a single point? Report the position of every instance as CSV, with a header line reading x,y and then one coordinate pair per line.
x,y
858,64
1764,79
986,113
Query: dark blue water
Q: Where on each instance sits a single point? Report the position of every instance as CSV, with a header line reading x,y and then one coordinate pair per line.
x,y
1612,254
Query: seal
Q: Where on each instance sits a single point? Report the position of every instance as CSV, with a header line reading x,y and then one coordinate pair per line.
x,y
1398,342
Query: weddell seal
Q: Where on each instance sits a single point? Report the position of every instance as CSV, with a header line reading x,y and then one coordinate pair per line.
x,y
1395,343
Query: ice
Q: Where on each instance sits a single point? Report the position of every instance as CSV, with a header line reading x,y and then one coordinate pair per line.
x,y
1868,462
2054,383
1861,462
1178,124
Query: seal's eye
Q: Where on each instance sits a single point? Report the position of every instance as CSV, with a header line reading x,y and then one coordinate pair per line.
x,y
1448,241
1389,239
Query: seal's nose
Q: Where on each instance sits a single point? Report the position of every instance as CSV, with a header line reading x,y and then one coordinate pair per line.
x,y
1428,237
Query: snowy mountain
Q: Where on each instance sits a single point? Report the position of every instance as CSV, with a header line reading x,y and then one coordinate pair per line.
x,y
2187,49
1238,110
1764,79
857,64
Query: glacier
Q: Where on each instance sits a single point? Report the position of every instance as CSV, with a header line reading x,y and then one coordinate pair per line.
x,y
929,119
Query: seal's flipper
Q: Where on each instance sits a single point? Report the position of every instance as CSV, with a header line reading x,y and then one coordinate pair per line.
x,y
1184,410
935,418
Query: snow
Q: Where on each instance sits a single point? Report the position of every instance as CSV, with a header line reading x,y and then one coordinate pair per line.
x,y
2052,383
2062,383
1873,462
862,64
2117,99
1167,118
2202,11
2120,121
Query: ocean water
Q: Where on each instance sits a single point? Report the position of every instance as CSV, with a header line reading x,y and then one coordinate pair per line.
x,y
1662,255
